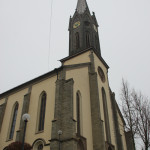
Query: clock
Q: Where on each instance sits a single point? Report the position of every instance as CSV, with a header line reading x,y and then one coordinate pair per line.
x,y
95,28
101,74
76,24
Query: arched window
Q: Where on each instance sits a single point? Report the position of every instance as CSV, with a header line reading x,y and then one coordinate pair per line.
x,y
79,113
77,40
87,39
42,112
38,144
13,122
106,117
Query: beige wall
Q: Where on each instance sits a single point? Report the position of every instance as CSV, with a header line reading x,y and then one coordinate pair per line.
x,y
105,85
49,87
81,79
82,58
31,135
81,83
2,101
17,97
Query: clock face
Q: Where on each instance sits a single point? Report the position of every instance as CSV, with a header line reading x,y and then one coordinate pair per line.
x,y
76,24
95,28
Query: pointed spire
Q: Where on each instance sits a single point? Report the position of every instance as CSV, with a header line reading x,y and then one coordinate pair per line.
x,y
81,6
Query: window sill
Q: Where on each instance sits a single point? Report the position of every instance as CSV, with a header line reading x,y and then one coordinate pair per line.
x,y
9,140
38,132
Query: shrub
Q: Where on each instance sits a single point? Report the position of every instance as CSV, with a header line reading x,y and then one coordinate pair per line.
x,y
18,146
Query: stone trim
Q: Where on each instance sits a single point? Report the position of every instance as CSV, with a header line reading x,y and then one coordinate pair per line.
x,y
97,123
118,136
77,65
39,139
106,116
129,140
2,112
63,116
82,140
25,109
109,145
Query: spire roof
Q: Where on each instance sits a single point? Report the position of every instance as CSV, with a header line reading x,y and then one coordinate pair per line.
x,y
81,6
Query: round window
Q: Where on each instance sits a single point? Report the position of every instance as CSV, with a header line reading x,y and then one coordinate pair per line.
x,y
101,74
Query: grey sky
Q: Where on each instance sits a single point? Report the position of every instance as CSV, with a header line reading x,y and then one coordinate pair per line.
x,y
124,30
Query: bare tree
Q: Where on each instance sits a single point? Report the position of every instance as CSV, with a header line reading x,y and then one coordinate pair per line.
x,y
136,112
128,110
142,109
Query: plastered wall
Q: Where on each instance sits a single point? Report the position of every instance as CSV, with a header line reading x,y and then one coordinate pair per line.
x,y
12,99
80,76
81,83
105,85
82,58
48,86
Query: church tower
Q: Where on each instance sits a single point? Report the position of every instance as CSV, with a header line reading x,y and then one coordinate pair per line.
x,y
83,30
85,107
72,107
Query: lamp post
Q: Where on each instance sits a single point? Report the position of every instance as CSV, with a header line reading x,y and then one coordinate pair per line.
x,y
25,118
59,133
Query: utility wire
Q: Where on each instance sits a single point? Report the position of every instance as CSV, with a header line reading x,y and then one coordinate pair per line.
x,y
51,13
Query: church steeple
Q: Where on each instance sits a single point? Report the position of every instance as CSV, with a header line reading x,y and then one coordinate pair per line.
x,y
83,30
81,6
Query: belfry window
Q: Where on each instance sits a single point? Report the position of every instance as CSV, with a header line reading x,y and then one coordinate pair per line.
x,y
13,123
87,39
77,40
42,112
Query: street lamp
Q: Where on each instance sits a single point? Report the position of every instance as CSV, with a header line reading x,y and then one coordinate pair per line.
x,y
25,118
59,133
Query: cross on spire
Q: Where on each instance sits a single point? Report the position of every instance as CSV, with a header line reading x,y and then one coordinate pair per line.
x,y
81,6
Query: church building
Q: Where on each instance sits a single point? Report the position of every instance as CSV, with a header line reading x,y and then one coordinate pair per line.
x,y
71,107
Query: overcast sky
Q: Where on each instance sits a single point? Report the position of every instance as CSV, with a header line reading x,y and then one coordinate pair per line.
x,y
31,44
